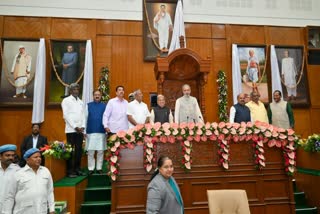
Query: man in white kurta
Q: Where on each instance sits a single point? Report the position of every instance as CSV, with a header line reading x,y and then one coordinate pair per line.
x,y
31,189
7,169
73,114
280,113
21,68
288,74
163,24
137,112
187,108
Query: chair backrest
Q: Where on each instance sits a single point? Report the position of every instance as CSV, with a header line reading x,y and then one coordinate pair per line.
x,y
228,201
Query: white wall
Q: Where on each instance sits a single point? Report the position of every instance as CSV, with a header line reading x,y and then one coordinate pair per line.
x,y
257,12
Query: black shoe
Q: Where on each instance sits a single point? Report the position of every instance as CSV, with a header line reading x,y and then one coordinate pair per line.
x,y
99,172
81,173
72,175
90,172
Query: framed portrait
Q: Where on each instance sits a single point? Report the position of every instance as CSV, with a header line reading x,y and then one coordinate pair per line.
x,y
67,59
291,62
313,37
18,66
253,70
158,18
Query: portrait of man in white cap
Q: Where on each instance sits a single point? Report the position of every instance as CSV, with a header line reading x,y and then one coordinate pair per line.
x,y
21,68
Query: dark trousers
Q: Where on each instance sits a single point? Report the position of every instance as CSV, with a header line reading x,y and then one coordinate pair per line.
x,y
74,162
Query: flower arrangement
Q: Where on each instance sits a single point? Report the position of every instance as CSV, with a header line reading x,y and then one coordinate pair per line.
x,y
186,134
57,150
104,84
186,154
222,99
311,144
223,153
258,156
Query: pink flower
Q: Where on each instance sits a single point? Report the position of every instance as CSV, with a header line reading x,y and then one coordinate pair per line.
x,y
179,138
275,134
113,137
174,125
114,159
229,125
186,143
249,131
213,137
255,138
191,125
188,150
171,139
149,167
113,177
233,131
148,132
189,138
191,132
281,129
278,143
242,130
138,127
121,134
271,143
117,144
256,131
216,132
148,151
187,157
208,126
235,138
204,138
290,138
225,165
113,168
236,125
199,132
139,143
214,125
130,146
290,132
262,163
208,132
225,156
159,133
187,165
167,132
225,131
249,125
163,139
183,125
221,137
166,126
260,143
157,126
113,149
282,136
291,155
175,132
222,125
199,125
261,156
243,125
197,138
248,137
267,134
183,132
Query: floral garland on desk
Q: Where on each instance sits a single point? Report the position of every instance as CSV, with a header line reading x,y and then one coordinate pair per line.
x,y
104,84
186,134
222,96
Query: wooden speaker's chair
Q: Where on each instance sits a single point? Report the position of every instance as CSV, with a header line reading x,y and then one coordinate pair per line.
x,y
228,201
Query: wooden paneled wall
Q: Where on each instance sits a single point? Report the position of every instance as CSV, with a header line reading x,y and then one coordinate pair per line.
x,y
119,44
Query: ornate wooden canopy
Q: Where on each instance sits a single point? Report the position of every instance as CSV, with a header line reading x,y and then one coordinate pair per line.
x,y
180,67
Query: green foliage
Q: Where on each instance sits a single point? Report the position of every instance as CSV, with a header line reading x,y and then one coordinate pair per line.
x,y
311,144
222,96
104,84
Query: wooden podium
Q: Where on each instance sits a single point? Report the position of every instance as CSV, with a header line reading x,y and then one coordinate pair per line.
x,y
269,190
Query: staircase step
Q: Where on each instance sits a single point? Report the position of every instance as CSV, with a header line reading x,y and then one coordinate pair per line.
x,y
309,210
96,207
300,198
98,180
97,194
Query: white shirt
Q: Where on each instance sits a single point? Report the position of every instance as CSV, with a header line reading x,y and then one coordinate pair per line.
x,y
30,192
73,113
34,141
5,177
139,112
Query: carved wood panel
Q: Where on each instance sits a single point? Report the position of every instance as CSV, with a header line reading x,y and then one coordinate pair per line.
x,y
24,27
172,90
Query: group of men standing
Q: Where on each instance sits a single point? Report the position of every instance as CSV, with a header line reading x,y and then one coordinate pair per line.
x,y
97,120
279,112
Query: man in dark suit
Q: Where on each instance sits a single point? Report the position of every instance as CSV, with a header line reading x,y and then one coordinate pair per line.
x,y
35,140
